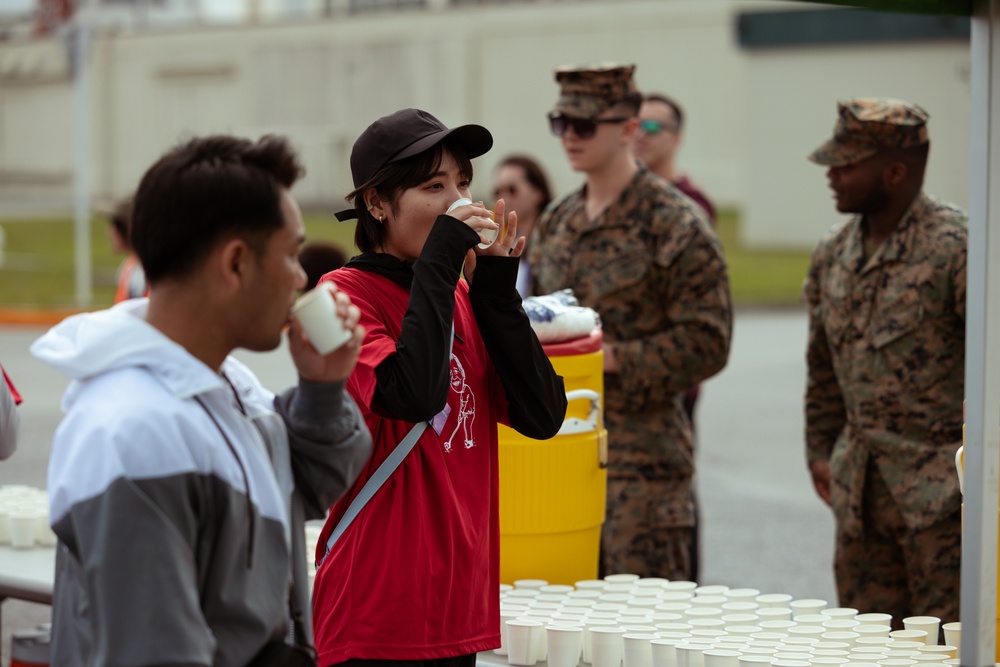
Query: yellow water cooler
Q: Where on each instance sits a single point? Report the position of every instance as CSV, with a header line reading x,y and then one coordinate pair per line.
x,y
553,492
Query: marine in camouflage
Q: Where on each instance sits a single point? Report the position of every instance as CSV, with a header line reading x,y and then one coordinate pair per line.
x,y
886,359
653,269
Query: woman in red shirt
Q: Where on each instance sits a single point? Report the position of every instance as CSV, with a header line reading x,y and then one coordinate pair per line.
x,y
415,577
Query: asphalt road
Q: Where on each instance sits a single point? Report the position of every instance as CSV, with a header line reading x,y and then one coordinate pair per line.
x,y
763,527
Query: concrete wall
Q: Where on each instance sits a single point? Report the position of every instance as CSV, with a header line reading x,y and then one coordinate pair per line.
x,y
752,115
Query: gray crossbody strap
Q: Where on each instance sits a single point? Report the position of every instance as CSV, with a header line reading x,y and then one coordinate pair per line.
x,y
375,482
383,473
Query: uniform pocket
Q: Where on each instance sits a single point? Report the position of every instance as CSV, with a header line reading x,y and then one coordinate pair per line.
x,y
902,342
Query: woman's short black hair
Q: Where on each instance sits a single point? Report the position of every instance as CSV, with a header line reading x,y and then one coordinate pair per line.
x,y
392,180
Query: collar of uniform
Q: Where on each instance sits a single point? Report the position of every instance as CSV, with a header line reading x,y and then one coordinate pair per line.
x,y
609,218
901,241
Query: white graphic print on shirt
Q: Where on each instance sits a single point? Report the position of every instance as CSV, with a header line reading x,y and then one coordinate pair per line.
x,y
467,406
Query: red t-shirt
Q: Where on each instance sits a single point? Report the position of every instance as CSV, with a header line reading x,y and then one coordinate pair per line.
x,y
416,575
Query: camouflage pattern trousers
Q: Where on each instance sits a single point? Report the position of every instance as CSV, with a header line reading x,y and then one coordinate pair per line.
x,y
894,569
636,540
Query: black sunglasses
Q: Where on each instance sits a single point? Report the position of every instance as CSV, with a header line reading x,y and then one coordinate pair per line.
x,y
584,128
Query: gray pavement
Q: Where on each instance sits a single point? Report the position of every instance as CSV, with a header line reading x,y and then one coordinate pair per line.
x,y
763,527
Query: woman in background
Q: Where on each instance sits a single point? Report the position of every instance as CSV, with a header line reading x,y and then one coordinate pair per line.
x,y
522,184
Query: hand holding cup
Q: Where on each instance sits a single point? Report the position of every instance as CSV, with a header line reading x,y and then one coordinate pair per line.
x,y
325,337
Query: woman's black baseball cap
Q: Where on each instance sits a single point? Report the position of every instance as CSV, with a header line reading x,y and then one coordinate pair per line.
x,y
403,134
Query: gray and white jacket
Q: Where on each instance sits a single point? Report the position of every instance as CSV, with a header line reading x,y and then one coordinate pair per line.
x,y
178,495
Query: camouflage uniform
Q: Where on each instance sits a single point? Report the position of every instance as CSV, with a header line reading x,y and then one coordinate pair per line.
x,y
653,269
885,386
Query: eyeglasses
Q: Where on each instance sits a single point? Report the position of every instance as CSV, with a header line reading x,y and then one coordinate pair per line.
x,y
584,128
653,126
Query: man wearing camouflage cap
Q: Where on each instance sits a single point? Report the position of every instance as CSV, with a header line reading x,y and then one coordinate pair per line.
x,y
886,357
644,257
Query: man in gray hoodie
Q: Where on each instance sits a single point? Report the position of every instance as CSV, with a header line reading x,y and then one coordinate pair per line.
x,y
178,484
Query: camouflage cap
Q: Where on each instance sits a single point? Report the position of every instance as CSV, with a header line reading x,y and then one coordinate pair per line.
x,y
866,126
587,91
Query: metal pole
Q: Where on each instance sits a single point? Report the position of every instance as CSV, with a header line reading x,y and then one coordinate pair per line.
x,y
982,349
79,48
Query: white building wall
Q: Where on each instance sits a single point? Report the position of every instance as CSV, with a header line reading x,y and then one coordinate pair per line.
x,y
791,109
752,115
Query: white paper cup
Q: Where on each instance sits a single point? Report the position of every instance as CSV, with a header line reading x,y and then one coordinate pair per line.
x,y
953,633
522,593
872,630
840,612
811,619
813,631
744,630
740,606
490,234
806,606
904,644
774,613
674,626
636,649
747,660
691,654
584,594
718,657
606,646
621,578
590,584
23,529
845,636
588,644
876,618
687,586
742,594
942,651
530,583
565,645
505,616
666,617
662,651
909,635
929,624
873,640
715,589
522,636
828,661
792,655
740,619
841,624
316,312
774,600
556,588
